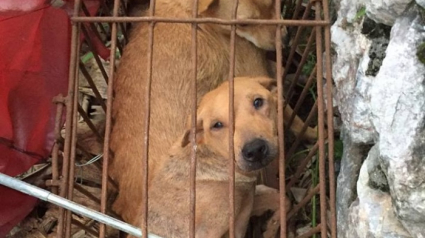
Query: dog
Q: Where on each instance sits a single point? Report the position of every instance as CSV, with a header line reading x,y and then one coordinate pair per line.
x,y
172,74
255,146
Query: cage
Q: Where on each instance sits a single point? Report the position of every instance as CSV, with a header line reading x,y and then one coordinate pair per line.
x,y
304,173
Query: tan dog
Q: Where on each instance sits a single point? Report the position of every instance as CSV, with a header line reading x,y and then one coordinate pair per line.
x,y
255,145
171,80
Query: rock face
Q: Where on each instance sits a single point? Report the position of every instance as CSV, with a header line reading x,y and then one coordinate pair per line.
x,y
379,75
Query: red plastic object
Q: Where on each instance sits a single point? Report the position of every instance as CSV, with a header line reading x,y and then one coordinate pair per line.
x,y
34,61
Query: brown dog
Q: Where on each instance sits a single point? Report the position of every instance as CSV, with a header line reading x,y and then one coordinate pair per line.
x,y
255,145
171,79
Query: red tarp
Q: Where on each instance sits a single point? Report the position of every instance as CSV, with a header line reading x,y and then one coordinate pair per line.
x,y
34,62
34,57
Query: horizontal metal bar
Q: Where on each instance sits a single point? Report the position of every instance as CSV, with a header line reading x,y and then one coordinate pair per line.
x,y
44,195
285,22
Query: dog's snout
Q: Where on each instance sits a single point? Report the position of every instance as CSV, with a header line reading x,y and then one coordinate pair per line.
x,y
255,151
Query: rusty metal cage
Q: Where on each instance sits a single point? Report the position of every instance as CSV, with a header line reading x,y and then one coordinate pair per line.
x,y
309,25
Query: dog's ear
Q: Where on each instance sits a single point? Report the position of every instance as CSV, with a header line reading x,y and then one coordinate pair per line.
x,y
204,5
269,83
186,138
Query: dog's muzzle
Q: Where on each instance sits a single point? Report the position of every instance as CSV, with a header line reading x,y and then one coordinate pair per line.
x,y
256,154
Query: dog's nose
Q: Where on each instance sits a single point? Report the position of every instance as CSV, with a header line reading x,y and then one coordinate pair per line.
x,y
255,151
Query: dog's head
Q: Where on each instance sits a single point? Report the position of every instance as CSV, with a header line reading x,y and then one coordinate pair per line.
x,y
263,36
255,133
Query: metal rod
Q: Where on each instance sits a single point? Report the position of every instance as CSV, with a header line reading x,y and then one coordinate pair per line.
x,y
88,122
295,42
321,124
93,49
59,100
104,192
280,124
202,20
330,119
298,139
232,124
47,196
69,113
145,158
303,202
92,85
73,144
304,57
302,96
301,166
193,126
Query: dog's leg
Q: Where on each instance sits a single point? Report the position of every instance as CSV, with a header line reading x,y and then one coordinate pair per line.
x,y
268,199
242,218
297,125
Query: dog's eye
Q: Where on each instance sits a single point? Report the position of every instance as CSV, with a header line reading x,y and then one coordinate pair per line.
x,y
217,125
242,25
258,102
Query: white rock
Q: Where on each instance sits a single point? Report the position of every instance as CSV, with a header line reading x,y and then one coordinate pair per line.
x,y
386,11
398,110
372,215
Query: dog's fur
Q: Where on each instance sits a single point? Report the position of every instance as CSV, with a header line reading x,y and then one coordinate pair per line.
x,y
169,210
172,73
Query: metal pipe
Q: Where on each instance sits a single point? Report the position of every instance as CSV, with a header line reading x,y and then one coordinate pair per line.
x,y
47,196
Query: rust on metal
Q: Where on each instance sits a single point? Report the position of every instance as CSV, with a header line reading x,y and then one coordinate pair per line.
x,y
202,20
329,110
232,124
88,122
281,131
55,151
92,85
103,197
145,169
303,202
73,146
69,113
193,126
321,124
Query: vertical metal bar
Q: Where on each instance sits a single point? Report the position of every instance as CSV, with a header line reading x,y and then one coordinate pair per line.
x,y
330,118
193,126
280,109
69,118
321,125
103,198
147,109
232,124
59,100
73,146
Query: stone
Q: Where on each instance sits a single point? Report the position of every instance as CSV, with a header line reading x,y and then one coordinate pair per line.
x,y
353,156
352,83
398,115
421,3
372,215
386,11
